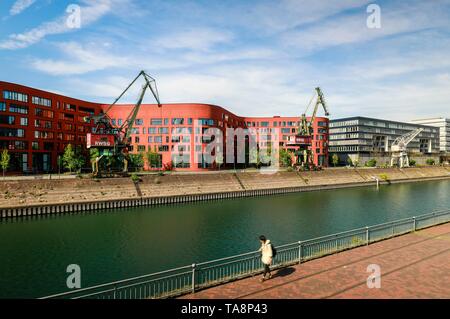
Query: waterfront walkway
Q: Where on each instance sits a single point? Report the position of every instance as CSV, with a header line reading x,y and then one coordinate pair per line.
x,y
416,265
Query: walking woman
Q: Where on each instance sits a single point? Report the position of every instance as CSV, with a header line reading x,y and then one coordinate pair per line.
x,y
266,258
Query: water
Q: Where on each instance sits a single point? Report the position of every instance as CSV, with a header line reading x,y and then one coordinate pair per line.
x,y
108,246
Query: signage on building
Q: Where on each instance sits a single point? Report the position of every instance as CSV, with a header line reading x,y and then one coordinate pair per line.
x,y
99,140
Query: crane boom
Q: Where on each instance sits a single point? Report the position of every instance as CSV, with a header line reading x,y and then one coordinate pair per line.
x,y
114,141
399,148
401,142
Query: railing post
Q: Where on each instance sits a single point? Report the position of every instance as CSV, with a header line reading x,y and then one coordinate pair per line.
x,y
115,292
193,278
393,226
414,223
253,264
299,252
367,236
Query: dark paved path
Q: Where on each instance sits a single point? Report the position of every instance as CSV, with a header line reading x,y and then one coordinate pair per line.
x,y
415,265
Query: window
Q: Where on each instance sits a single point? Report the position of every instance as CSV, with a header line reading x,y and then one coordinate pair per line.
x,y
163,130
189,122
44,113
5,119
150,139
14,108
10,95
113,122
156,121
11,132
139,122
141,148
177,121
119,122
186,139
205,122
35,145
45,135
264,124
71,107
2,107
158,139
285,130
41,101
152,130
23,121
136,139
163,148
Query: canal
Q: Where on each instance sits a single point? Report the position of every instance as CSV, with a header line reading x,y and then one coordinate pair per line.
x,y
108,246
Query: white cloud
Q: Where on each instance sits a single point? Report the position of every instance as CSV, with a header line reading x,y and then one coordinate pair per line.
x,y
20,5
351,29
194,39
91,11
81,60
287,14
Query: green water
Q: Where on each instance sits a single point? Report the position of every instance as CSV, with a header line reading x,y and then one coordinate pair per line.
x,y
108,246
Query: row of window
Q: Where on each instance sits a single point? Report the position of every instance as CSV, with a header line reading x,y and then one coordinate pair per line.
x,y
15,96
165,121
41,101
11,120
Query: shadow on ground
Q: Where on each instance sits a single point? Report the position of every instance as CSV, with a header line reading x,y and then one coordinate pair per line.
x,y
284,272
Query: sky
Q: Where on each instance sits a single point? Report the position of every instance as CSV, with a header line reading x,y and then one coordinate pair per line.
x,y
253,57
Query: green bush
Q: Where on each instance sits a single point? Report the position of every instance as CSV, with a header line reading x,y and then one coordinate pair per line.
x,y
384,177
430,161
371,163
135,178
290,169
412,162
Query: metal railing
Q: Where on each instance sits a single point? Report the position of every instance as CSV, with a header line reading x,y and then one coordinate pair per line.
x,y
190,278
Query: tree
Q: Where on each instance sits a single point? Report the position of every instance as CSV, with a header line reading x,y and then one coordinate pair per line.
x,y
153,159
254,157
285,158
335,159
137,160
69,158
4,161
80,159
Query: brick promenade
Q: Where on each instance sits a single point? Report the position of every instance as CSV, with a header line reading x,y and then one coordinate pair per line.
x,y
415,265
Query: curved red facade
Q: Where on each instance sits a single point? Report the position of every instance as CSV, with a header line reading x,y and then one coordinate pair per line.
x,y
35,126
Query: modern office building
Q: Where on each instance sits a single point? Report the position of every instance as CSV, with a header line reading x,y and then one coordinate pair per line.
x,y
36,126
444,131
362,138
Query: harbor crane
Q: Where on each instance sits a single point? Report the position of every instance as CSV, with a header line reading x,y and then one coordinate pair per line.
x,y
305,131
113,143
399,148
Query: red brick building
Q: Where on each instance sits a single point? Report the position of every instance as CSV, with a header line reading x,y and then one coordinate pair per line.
x,y
35,126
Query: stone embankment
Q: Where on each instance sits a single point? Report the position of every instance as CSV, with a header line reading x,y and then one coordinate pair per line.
x,y
35,197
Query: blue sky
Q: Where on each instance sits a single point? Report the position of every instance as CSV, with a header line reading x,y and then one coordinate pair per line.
x,y
255,58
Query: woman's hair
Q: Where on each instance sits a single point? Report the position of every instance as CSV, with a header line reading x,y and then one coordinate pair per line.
x,y
262,237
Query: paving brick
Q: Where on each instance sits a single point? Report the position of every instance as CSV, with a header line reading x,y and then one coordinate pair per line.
x,y
415,265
